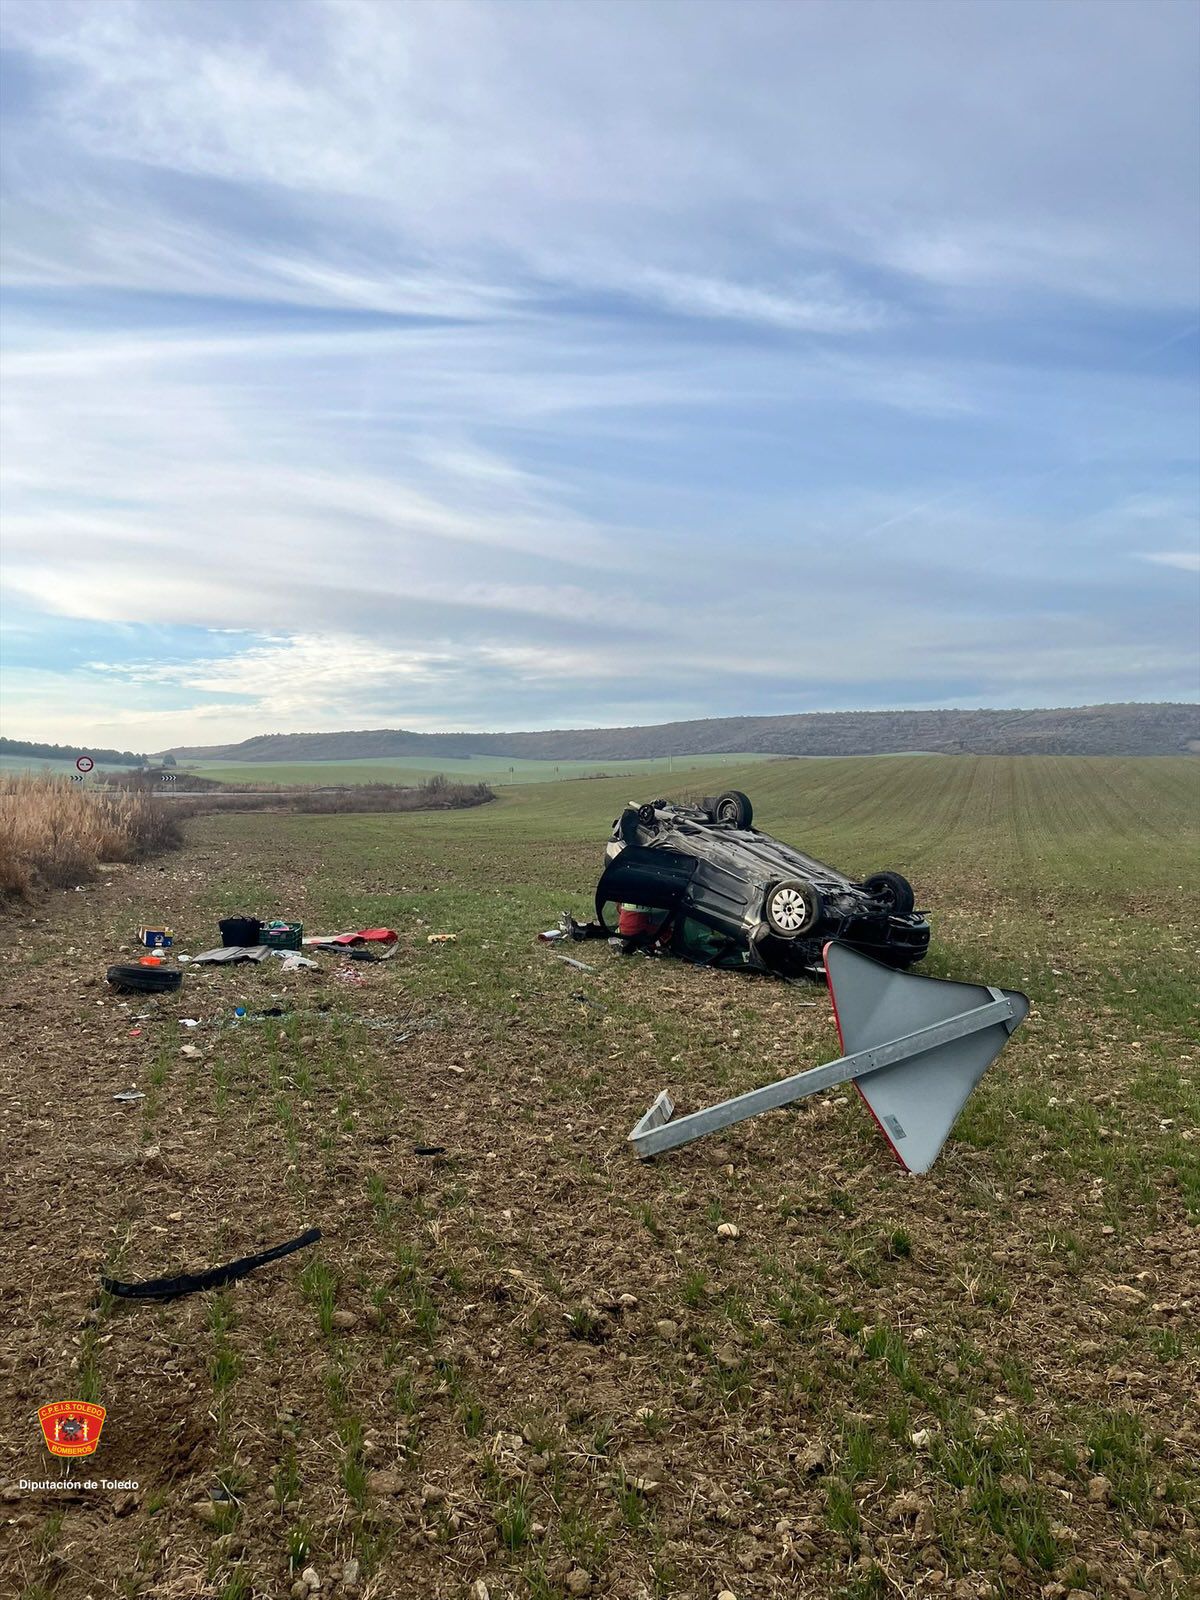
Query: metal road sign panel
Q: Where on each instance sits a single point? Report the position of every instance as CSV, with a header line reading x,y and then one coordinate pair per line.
x,y
915,1048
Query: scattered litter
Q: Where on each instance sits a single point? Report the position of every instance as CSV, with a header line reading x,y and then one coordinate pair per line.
x,y
190,1050
127,1095
292,960
240,932
571,962
233,953
363,936
135,1033
551,935
214,1278
156,938
348,975
442,938
189,1022
429,1149
281,935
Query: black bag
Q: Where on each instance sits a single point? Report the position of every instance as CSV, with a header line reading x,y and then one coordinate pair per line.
x,y
242,931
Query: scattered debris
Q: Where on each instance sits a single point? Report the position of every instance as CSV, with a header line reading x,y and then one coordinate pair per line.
x,y
581,966
292,960
728,1230
214,1278
232,953
144,980
156,938
127,1095
363,936
442,938
240,932
429,1149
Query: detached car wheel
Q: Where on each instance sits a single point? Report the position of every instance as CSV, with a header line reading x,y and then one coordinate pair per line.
x,y
144,980
792,907
734,807
895,892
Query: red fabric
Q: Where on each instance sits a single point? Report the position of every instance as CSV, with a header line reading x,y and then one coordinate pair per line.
x,y
632,923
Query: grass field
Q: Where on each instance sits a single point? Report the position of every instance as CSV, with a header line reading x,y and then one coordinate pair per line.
x,y
495,770
531,1362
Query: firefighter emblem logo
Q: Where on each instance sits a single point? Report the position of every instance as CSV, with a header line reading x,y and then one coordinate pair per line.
x,y
71,1427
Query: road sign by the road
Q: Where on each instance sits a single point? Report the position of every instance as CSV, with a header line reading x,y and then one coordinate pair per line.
x,y
77,777
166,777
85,763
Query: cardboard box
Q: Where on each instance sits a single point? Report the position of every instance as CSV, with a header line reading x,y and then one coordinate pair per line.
x,y
156,938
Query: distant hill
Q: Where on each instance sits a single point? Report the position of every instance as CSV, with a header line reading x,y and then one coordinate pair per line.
x,y
1117,730
68,752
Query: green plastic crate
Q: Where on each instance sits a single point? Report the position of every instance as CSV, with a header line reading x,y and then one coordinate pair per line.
x,y
282,935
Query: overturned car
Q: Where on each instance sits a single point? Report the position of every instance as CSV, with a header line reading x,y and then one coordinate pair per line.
x,y
701,882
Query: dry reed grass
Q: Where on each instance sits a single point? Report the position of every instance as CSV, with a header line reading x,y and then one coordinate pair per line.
x,y
54,833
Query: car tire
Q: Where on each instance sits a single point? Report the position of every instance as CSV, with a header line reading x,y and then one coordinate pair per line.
x,y
792,907
627,825
645,815
144,980
733,807
894,890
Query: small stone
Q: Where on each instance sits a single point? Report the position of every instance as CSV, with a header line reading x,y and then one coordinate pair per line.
x,y
431,1495
204,1511
666,1329
1124,1294
813,1459
312,1578
480,1591
299,1590
627,1302
538,1464
345,1319
384,1482
729,1230
350,1571
920,1439
1098,1491
727,1594
578,1582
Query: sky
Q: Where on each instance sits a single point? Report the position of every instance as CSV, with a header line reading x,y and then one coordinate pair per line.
x,y
488,364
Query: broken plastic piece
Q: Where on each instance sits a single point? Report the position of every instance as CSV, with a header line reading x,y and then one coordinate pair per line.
x,y
214,1278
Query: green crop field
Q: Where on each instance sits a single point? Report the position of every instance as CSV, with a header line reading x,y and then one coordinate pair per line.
x,y
495,770
532,1363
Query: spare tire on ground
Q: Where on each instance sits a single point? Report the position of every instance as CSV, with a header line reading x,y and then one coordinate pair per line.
x,y
144,980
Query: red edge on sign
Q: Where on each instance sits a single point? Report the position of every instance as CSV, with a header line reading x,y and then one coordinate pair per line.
x,y
854,1081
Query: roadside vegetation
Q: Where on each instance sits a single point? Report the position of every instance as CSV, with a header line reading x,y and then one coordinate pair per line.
x,y
54,833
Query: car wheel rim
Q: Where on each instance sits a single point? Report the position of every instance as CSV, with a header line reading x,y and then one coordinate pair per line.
x,y
789,909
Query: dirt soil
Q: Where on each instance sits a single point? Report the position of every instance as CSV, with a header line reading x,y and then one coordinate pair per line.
x,y
530,1365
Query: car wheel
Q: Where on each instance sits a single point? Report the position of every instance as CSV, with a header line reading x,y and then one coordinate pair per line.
x,y
627,825
646,815
793,907
733,807
895,892
144,980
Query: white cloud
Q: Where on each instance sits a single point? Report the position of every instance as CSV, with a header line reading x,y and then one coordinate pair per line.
x,y
1184,560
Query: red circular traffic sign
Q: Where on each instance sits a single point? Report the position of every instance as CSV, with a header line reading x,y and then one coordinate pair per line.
x,y
85,763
